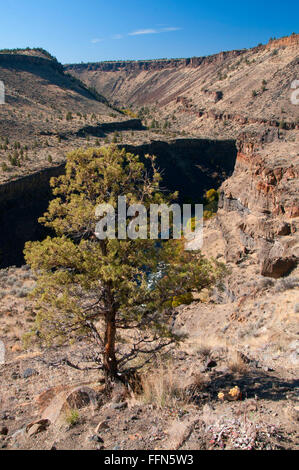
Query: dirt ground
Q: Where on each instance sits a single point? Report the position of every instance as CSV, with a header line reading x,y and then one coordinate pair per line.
x,y
240,342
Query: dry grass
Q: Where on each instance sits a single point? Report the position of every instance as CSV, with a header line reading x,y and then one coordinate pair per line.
x,y
199,381
237,365
204,350
162,387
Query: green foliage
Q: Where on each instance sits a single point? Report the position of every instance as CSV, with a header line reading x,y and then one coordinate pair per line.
x,y
208,214
210,203
184,299
13,159
91,287
129,113
72,417
211,195
192,224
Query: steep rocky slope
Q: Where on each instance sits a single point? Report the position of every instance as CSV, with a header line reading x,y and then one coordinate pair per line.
x,y
210,99
46,112
242,335
215,95
262,199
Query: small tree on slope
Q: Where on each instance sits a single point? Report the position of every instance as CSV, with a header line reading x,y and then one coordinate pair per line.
x,y
100,288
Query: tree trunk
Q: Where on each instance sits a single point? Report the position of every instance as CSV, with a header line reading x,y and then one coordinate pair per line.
x,y
109,359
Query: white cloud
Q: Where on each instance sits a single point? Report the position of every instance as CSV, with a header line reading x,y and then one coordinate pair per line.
x,y
143,31
96,40
140,32
154,31
170,28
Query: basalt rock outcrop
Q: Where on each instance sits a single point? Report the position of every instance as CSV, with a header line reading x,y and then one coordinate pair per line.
x,y
158,64
22,202
259,204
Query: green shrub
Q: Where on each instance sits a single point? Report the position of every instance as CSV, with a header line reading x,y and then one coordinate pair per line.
x,y
184,299
72,417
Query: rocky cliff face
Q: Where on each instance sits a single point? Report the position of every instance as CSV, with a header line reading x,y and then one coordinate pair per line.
x,y
191,166
292,40
22,202
159,64
259,205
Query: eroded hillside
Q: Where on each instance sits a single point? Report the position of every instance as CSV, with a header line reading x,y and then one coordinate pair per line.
x,y
47,112
215,95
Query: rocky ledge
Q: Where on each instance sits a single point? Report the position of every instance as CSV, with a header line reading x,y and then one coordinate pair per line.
x,y
259,204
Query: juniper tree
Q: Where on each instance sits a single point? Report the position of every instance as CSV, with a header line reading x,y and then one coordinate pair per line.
x,y
120,293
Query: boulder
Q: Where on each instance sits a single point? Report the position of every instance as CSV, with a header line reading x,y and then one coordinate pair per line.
x,y
278,267
119,406
29,373
4,431
37,427
284,229
76,397
80,397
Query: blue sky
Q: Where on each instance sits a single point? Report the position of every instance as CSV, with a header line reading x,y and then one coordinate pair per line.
x,y
94,30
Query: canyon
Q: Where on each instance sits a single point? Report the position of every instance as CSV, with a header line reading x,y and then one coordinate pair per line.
x,y
244,95
226,122
218,130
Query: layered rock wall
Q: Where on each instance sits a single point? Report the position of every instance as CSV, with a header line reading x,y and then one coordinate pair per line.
x,y
259,204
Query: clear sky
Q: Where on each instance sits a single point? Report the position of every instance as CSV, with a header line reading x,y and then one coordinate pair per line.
x,y
95,30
